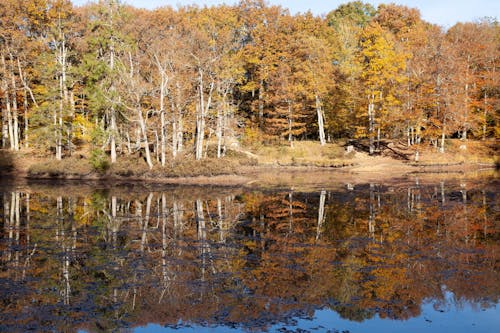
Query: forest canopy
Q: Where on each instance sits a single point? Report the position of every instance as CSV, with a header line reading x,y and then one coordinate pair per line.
x,y
108,79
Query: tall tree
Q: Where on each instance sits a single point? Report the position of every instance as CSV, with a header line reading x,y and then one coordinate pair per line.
x,y
262,41
61,16
348,21
382,71
105,43
313,52
410,38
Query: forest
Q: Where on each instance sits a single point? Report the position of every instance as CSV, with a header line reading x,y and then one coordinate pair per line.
x,y
108,81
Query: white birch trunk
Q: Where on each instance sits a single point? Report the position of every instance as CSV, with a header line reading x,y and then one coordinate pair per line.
x,y
15,119
218,132
261,104
321,121
144,133
9,120
8,129
112,138
290,120
371,123
5,128
203,108
163,127
113,129
58,122
443,135
180,134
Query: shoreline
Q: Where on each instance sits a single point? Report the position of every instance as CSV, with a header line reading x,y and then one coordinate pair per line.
x,y
272,175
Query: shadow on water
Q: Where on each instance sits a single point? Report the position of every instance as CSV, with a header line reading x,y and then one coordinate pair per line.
x,y
103,259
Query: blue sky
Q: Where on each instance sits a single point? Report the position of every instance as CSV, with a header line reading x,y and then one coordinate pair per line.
x,y
442,12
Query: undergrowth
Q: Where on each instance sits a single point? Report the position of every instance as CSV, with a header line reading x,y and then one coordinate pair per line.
x,y
70,166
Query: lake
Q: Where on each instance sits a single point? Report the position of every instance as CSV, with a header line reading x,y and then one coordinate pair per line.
x,y
404,256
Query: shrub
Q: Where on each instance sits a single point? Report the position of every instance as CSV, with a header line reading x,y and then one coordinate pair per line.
x,y
99,160
252,138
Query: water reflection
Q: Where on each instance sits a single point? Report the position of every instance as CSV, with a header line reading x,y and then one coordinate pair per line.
x,y
83,259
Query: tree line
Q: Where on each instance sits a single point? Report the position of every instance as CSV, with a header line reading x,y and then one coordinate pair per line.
x,y
110,79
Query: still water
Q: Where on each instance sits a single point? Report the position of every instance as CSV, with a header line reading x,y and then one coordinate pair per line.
x,y
410,256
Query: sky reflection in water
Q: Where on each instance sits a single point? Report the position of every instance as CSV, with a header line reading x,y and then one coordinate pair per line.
x,y
465,319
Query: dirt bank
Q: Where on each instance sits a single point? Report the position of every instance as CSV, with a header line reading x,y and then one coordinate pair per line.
x,y
357,168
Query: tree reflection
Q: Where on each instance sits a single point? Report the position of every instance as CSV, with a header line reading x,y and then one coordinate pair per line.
x,y
108,259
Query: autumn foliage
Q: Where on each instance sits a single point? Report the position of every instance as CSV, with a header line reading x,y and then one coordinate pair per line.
x,y
170,83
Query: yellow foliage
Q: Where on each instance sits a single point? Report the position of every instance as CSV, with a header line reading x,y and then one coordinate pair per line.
x,y
82,128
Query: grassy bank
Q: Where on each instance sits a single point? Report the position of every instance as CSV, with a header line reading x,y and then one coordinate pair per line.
x,y
131,167
391,157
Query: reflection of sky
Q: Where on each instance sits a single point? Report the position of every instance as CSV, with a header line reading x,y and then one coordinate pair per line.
x,y
456,318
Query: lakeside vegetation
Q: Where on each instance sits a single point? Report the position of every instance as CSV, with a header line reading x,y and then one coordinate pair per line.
x,y
109,89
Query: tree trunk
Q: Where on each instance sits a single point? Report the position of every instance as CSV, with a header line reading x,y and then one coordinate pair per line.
x,y
261,104
129,145
5,128
9,120
15,116
144,132
371,123
26,91
408,135
157,147
200,120
113,129
177,134
441,149
290,137
378,138
174,139
180,134
163,134
163,127
26,125
58,122
485,115
112,138
218,132
203,108
61,60
200,132
466,101
321,121
221,126
176,118
8,128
